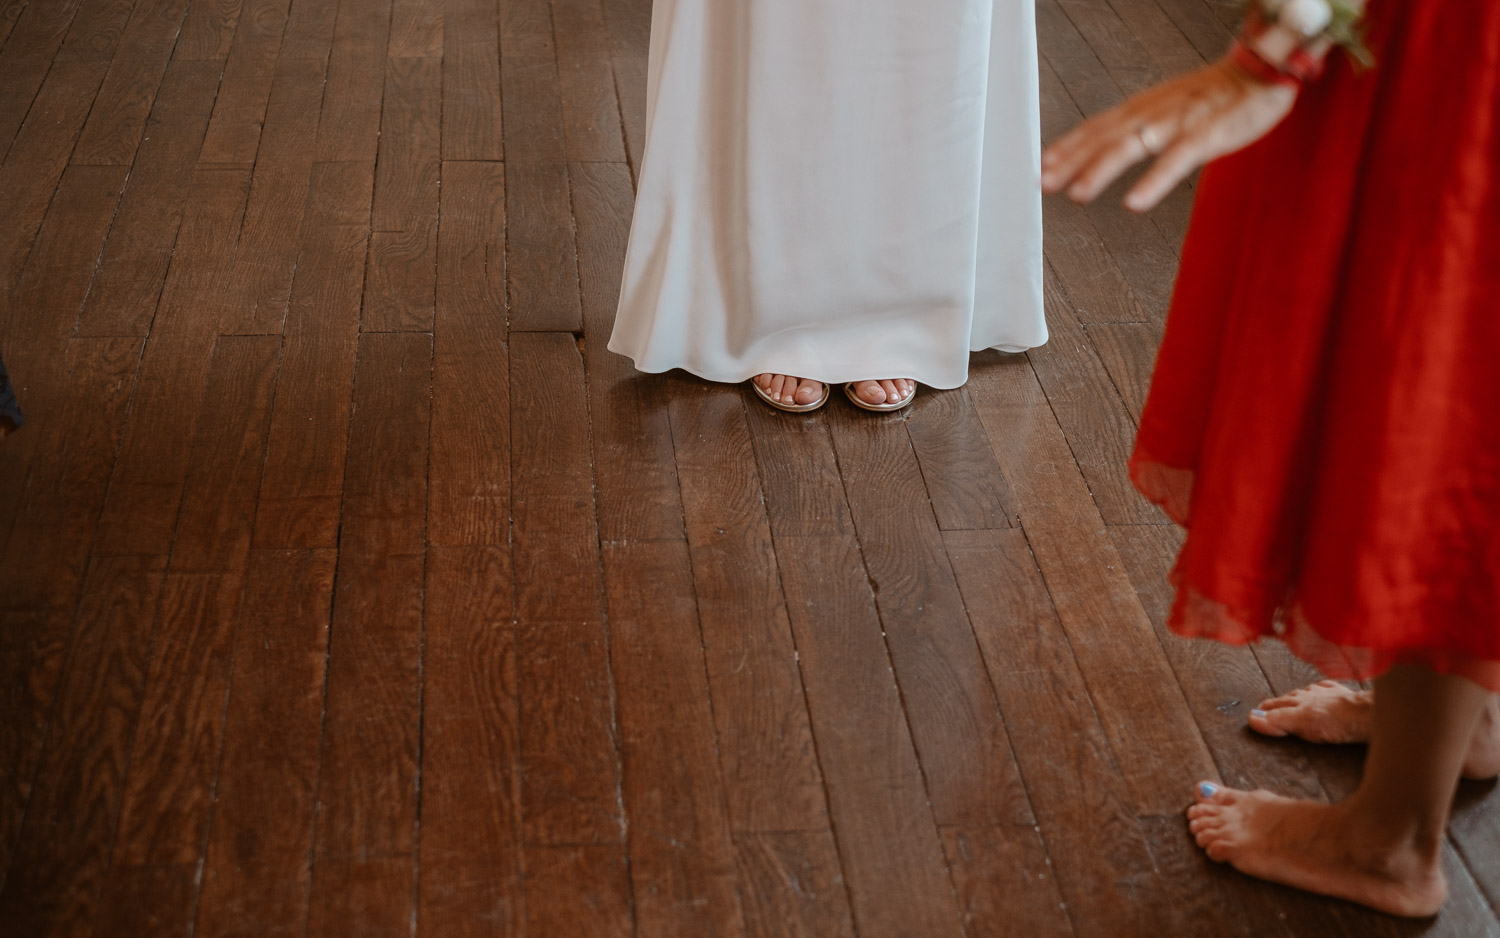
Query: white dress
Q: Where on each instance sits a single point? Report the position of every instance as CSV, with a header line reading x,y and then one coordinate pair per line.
x,y
836,189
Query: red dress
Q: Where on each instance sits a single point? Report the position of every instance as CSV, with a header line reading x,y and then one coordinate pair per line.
x,y
1325,413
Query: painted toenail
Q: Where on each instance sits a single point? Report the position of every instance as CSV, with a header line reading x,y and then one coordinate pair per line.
x,y
1258,713
1207,789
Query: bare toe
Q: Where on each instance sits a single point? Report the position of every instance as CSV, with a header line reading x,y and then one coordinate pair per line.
x,y
809,391
870,392
1325,712
763,381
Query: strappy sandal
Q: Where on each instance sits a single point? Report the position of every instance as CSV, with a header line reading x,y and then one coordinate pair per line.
x,y
791,408
889,407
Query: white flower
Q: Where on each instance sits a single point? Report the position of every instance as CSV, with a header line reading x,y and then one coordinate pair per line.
x,y
1305,17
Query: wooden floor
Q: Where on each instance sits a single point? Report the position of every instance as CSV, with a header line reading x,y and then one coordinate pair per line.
x,y
351,587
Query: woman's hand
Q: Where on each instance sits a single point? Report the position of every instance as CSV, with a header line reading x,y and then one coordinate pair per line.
x,y
1184,123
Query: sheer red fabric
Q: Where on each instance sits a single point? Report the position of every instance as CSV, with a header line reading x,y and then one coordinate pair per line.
x,y
1325,413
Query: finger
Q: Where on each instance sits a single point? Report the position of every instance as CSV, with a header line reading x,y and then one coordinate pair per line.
x,y
1173,166
1109,162
1070,153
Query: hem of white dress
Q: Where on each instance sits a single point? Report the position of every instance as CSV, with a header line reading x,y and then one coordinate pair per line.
x,y
938,382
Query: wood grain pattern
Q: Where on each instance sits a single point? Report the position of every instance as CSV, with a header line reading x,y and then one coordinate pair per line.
x,y
1142,707
766,743
140,513
682,860
1074,782
133,266
970,774
875,791
250,70
58,865
570,760
118,119
469,474
304,471
470,871
400,284
364,854
255,871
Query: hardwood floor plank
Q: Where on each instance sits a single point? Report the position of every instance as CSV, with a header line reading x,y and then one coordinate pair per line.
x,y
118,119
1197,20
634,464
470,872
766,745
888,841
791,885
541,257
526,28
682,859
400,282
578,891
24,61
1005,882
471,81
10,11
803,491
961,739
1083,804
1091,413
1150,726
47,560
34,332
1128,352
217,517
175,759
364,858
209,29
132,269
469,476
1222,683
385,485
266,256
175,756
304,473
586,83
349,128
140,512
56,117
255,873
630,93
1211,898
962,479
416,30
58,866
251,69
569,755
150,900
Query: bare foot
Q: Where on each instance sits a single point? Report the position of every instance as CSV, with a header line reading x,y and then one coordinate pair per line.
x,y
1327,849
790,390
890,389
1330,712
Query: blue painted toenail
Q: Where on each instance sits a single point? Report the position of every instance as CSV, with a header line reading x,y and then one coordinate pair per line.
x,y
1258,713
1208,789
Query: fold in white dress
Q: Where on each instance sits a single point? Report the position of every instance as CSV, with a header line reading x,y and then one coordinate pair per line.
x,y
836,189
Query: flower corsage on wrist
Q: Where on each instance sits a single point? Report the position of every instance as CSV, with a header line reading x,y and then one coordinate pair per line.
x,y
1287,41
